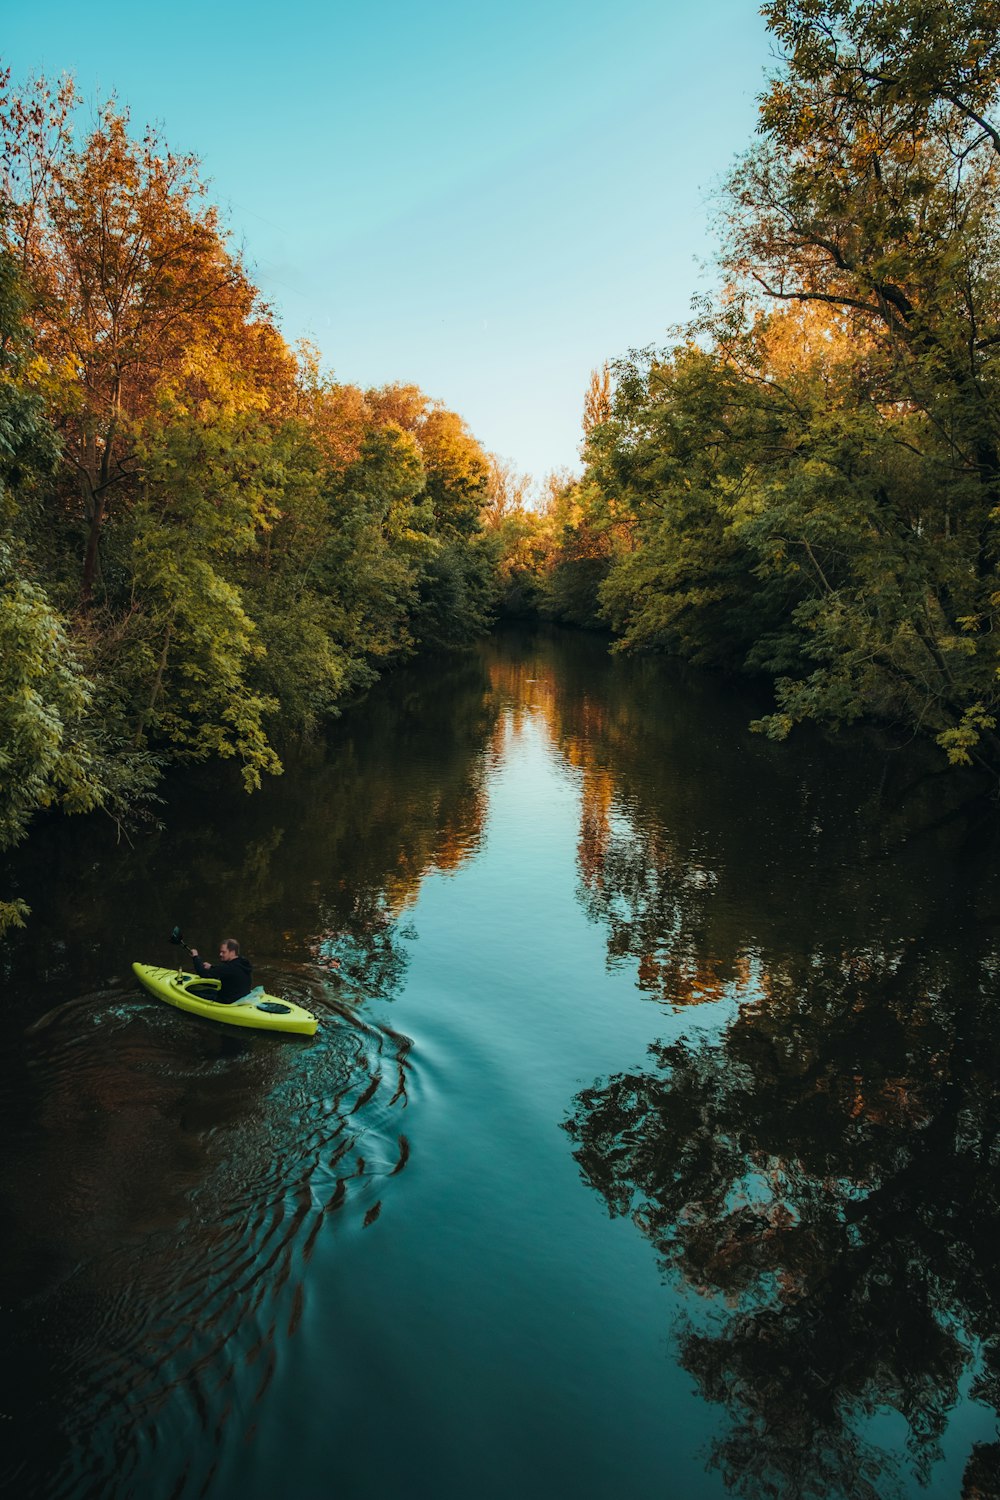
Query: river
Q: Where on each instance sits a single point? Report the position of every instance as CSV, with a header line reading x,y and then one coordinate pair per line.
x,y
648,1145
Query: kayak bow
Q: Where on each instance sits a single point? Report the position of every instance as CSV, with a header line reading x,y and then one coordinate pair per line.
x,y
262,1012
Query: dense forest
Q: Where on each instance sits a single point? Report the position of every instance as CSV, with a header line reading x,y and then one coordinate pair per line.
x,y
806,486
207,543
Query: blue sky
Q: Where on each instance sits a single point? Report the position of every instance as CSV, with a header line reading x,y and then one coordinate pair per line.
x,y
486,201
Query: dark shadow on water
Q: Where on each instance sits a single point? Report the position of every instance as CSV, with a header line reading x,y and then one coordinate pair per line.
x,y
164,1185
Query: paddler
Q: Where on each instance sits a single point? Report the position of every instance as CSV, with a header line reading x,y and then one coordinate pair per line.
x,y
233,972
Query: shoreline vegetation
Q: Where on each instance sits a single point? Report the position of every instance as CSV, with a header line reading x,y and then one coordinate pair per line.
x,y
208,544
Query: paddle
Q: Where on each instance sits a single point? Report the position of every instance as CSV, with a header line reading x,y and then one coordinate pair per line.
x,y
177,938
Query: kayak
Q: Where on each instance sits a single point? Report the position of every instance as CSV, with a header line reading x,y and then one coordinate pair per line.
x,y
261,1011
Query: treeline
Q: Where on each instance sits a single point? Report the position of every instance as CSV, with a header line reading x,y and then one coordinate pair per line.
x,y
807,485
205,544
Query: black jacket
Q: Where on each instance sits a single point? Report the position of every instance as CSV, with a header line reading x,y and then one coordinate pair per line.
x,y
235,974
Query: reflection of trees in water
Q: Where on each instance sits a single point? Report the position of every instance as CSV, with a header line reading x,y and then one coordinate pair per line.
x,y
711,861
652,903
410,799
822,1172
324,861
825,1175
256,1151
701,844
361,947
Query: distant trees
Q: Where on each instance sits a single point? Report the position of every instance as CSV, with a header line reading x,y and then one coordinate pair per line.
x,y
205,544
597,401
456,590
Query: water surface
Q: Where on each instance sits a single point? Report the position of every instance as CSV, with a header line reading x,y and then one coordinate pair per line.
x,y
648,1144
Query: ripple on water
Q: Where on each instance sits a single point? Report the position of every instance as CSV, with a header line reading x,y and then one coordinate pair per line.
x,y
165,1183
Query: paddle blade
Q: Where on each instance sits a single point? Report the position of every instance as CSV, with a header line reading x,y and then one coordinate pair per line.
x,y
175,936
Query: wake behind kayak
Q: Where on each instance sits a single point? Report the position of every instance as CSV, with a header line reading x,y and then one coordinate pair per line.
x,y
258,1010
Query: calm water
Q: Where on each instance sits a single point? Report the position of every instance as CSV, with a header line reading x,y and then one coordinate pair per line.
x,y
648,1146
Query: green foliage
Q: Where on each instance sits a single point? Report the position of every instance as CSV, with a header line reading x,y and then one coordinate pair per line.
x,y
44,698
55,749
381,538
49,751
209,486
580,557
29,449
205,545
332,592
457,593
572,589
516,536
674,458
457,472
960,742
809,488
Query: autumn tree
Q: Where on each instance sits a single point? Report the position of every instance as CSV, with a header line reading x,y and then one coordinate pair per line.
x,y
206,542
519,530
129,276
873,193
507,491
597,401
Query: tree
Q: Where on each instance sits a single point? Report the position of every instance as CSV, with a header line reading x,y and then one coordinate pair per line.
x,y
520,536
580,555
597,401
873,193
55,750
809,486
457,589
506,492
205,542
209,487
129,276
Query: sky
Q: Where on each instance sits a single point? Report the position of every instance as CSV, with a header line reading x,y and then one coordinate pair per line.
x,y
485,201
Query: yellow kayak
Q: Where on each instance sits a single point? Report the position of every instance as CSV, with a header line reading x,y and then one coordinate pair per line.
x,y
263,1012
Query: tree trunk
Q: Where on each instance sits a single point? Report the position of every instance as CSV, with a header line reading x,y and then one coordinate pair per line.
x,y
157,683
91,561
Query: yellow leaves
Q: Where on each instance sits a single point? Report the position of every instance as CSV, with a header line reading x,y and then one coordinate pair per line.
x,y
959,742
12,914
958,645
776,726
136,303
339,418
809,335
205,384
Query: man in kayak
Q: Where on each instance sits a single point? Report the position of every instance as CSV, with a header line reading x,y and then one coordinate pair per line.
x,y
233,972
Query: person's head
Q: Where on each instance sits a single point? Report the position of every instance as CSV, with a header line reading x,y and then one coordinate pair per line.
x,y
229,948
